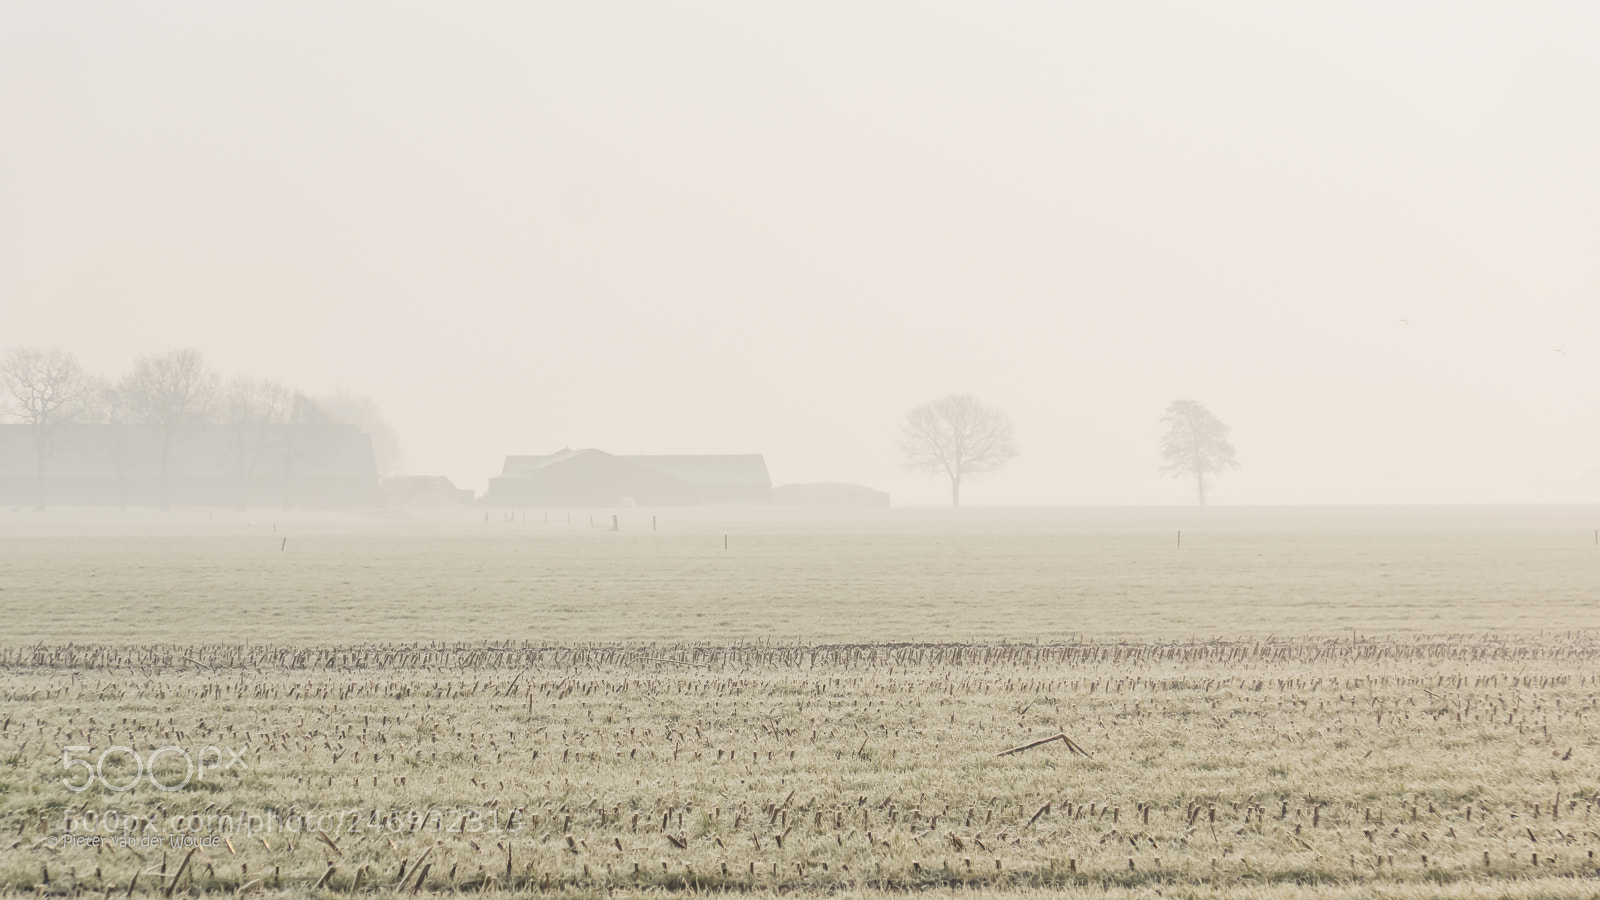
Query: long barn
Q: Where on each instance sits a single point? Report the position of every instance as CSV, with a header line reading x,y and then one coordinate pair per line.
x,y
281,466
594,478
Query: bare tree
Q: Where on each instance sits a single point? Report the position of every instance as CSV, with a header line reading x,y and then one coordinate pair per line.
x,y
105,406
171,393
362,411
48,389
956,436
252,408
303,434
1196,443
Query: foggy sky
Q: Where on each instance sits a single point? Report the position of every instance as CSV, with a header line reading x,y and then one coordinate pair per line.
x,y
702,227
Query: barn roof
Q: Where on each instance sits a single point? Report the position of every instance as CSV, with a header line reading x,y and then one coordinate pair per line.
x,y
704,469
523,464
738,468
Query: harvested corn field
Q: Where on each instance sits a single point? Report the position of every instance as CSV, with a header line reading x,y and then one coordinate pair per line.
x,y
1273,765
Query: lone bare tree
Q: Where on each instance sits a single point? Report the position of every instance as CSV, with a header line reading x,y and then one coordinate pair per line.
x,y
956,436
1196,443
48,389
170,393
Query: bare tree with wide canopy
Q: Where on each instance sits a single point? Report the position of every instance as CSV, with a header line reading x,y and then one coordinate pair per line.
x,y
956,436
106,406
301,438
170,393
1196,443
252,408
48,389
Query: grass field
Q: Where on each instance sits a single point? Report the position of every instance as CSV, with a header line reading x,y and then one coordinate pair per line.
x,y
1293,703
882,575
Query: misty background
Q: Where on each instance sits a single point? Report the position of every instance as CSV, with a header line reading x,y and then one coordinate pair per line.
x,y
1365,235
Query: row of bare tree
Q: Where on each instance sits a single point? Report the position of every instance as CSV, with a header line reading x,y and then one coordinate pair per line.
x,y
48,390
959,436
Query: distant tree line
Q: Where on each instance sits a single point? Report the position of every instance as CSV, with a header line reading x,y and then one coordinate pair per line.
x,y
169,394
958,436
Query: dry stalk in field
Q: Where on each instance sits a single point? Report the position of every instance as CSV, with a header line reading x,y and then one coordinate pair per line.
x,y
179,874
1071,745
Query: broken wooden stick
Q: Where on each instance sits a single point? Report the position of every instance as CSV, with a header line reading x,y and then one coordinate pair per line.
x,y
1042,741
1039,743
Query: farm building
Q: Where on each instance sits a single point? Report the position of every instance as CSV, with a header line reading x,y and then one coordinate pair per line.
x,y
594,478
423,491
316,466
827,493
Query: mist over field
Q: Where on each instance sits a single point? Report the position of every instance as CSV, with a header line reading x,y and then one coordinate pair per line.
x,y
722,576
848,449
1363,234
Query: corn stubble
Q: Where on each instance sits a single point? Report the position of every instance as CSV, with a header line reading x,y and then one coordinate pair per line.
x,y
1458,765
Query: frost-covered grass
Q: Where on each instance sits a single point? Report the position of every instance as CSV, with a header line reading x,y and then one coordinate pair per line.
x,y
1279,768
871,575
515,706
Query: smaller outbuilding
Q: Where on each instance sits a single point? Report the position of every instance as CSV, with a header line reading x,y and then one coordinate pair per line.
x,y
594,478
424,491
827,493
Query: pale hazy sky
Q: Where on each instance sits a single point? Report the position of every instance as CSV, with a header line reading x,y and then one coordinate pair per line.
x,y
689,227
